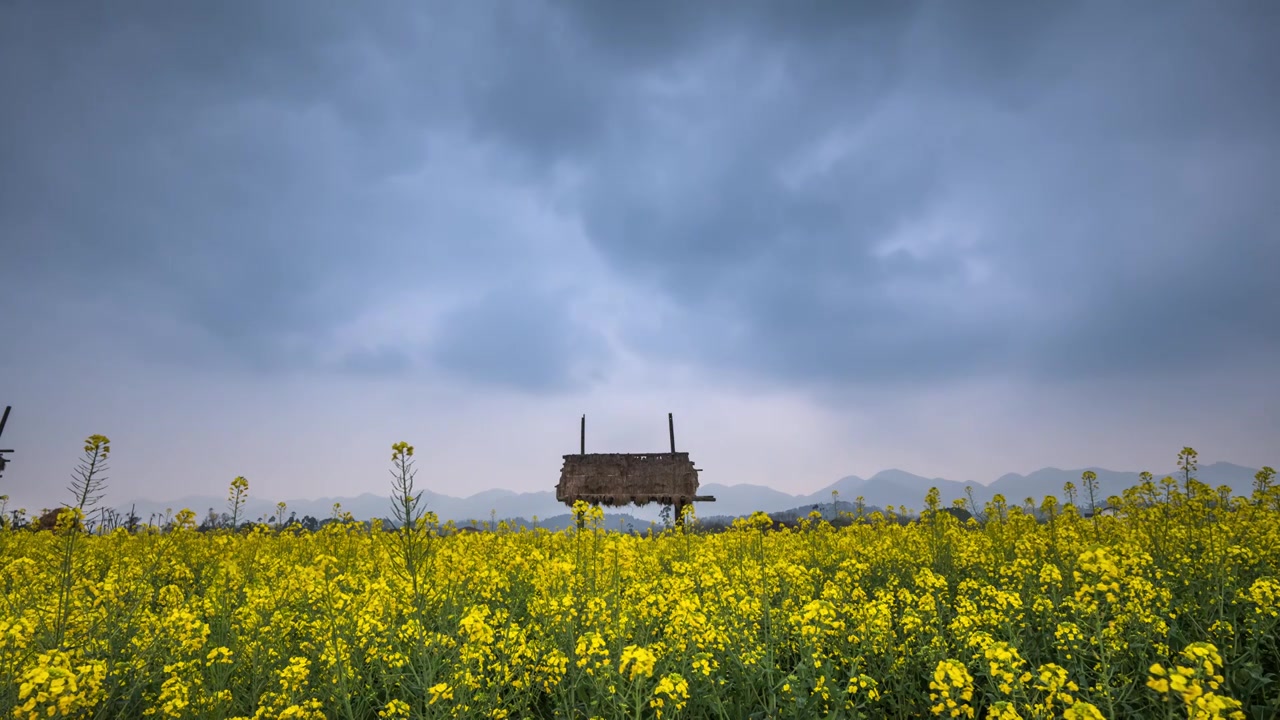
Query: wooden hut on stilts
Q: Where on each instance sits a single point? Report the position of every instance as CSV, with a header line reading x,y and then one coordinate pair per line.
x,y
615,479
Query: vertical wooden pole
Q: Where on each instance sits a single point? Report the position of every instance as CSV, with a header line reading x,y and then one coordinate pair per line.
x,y
671,428
582,448
3,421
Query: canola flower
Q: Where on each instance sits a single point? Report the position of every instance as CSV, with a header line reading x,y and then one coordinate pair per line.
x,y
1197,682
951,689
1167,605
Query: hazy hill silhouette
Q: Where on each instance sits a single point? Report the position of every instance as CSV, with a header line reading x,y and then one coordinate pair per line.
x,y
889,488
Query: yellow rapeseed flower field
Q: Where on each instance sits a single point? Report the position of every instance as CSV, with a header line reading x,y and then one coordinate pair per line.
x,y
1166,605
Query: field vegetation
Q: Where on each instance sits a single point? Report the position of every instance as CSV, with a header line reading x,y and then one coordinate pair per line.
x,y
1163,602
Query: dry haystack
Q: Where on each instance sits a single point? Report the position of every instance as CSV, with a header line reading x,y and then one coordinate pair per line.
x,y
627,478
630,478
49,520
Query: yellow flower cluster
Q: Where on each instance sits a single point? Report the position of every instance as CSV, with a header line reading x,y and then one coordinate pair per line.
x,y
671,694
396,709
1083,711
951,690
592,652
1056,688
1198,668
1004,666
640,660
289,701
1028,610
54,686
1264,594
440,691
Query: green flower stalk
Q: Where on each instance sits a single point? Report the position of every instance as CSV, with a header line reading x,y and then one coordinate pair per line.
x,y
239,494
88,486
410,535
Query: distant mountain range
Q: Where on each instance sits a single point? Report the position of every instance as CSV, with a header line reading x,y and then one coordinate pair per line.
x,y
894,488
890,488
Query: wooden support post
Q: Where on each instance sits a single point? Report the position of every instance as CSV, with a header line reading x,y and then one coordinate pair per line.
x,y
582,449
671,428
4,421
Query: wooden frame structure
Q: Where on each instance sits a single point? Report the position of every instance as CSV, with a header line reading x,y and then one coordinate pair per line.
x,y
616,479
4,420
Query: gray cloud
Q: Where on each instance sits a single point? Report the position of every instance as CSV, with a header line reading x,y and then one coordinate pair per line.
x,y
1080,175
820,194
519,340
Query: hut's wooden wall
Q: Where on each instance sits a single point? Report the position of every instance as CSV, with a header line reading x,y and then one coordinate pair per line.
x,y
625,478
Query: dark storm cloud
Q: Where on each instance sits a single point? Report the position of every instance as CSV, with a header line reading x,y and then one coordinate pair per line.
x,y
265,173
823,192
1115,168
519,340
197,160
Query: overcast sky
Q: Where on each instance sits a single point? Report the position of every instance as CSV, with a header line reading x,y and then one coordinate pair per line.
x,y
962,239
